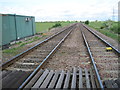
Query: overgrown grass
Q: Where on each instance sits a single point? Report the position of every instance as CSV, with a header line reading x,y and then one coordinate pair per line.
x,y
21,44
109,34
12,51
33,39
108,28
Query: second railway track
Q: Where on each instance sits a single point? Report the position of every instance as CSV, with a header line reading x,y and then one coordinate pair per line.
x,y
106,61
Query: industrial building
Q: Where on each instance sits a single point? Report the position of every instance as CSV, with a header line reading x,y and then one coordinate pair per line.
x,y
15,27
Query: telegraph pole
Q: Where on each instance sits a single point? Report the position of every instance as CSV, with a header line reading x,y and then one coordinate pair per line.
x,y
113,14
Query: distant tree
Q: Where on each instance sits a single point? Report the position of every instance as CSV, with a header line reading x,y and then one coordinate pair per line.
x,y
87,22
96,20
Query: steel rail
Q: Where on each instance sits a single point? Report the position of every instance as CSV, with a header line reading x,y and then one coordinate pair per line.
x,y
93,62
102,40
15,58
43,62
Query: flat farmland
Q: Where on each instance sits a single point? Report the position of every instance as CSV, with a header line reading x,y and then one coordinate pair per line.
x,y
44,26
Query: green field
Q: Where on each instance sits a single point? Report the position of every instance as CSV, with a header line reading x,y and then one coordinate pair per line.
x,y
108,28
44,26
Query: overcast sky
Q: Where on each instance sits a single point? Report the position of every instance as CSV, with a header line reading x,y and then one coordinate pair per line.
x,y
54,10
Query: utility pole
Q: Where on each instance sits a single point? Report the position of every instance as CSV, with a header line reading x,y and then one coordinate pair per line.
x,y
113,14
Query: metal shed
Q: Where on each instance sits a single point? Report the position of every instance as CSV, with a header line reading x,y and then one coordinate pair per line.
x,y
15,27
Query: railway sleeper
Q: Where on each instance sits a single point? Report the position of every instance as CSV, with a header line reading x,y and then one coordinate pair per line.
x,y
23,67
37,56
33,60
106,60
26,65
104,53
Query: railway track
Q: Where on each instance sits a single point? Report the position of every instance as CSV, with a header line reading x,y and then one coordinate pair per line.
x,y
92,54
27,61
107,62
30,58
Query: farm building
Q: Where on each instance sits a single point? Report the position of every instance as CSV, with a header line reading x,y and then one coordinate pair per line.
x,y
15,27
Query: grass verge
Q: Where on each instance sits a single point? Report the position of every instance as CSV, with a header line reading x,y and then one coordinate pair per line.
x,y
104,28
21,44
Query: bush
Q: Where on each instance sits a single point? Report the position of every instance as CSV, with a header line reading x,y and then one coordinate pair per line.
x,y
101,27
115,28
87,22
105,25
56,25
